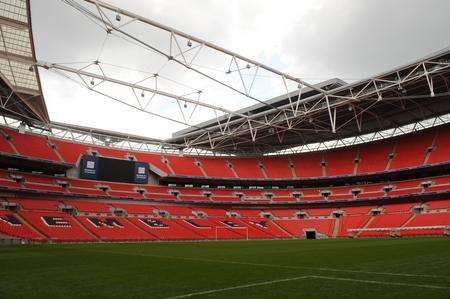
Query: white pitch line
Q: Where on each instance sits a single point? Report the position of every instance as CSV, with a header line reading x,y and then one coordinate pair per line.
x,y
374,272
274,265
237,287
199,293
427,286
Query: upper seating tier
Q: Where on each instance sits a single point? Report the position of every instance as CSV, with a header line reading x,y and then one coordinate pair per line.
x,y
412,150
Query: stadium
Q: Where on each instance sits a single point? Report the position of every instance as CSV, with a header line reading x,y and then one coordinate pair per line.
x,y
266,185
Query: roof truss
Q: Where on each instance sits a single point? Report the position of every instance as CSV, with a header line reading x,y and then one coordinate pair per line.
x,y
17,61
408,94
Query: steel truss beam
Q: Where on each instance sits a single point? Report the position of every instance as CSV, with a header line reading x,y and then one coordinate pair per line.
x,y
110,27
175,32
234,128
252,121
217,135
372,91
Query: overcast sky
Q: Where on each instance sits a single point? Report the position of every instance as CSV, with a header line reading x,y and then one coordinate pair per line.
x,y
313,40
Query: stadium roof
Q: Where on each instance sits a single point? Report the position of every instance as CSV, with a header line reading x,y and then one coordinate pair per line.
x,y
21,93
276,102
407,94
303,114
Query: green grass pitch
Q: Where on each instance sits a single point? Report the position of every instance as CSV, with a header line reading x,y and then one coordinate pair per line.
x,y
365,268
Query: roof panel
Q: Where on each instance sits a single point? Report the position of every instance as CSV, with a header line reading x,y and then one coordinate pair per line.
x,y
17,57
407,94
15,41
14,9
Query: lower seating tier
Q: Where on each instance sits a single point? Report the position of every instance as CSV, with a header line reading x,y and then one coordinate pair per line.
x,y
59,220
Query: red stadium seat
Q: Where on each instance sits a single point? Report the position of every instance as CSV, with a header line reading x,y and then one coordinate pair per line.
x,y
32,146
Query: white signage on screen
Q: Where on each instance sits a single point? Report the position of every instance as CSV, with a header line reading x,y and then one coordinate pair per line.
x,y
141,170
90,164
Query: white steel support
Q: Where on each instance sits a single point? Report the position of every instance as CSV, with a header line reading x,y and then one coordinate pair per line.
x,y
119,10
82,73
324,111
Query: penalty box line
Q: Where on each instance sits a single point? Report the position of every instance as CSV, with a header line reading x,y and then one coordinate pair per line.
x,y
257,284
273,265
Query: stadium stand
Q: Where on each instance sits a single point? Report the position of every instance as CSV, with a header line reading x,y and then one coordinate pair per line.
x,y
216,167
308,165
30,145
56,226
247,168
440,149
277,167
374,157
411,151
89,207
401,152
186,166
352,222
341,162
155,160
164,229
50,184
42,207
44,220
297,228
38,205
5,144
111,228
11,225
70,152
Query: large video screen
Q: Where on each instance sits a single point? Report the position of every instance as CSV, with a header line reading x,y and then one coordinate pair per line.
x,y
113,170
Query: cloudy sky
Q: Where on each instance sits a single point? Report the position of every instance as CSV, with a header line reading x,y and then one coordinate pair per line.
x,y
313,40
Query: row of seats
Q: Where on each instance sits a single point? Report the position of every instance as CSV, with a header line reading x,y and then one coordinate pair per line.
x,y
409,151
41,220
42,183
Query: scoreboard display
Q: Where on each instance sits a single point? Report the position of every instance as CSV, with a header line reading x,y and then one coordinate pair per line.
x,y
113,170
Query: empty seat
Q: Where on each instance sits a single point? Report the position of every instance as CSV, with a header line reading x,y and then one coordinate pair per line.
x,y
247,168
32,146
411,150
441,152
